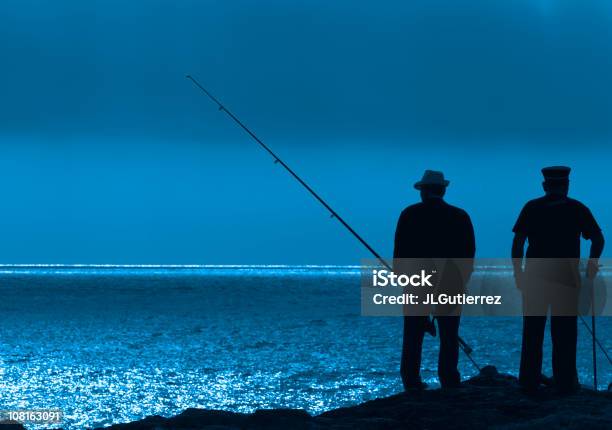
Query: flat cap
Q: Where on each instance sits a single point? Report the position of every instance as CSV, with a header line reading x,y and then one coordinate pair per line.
x,y
556,172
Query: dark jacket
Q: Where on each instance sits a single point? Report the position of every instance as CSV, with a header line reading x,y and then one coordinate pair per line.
x,y
434,228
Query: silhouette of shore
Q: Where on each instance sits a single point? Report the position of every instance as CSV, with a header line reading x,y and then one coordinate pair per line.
x,y
489,400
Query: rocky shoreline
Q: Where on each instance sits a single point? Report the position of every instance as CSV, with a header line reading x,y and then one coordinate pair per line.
x,y
489,400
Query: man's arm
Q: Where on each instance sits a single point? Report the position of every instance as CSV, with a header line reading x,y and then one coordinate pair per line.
x,y
471,239
597,246
399,242
591,231
470,250
518,249
520,230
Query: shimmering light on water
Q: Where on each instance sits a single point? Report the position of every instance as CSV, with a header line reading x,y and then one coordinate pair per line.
x,y
111,344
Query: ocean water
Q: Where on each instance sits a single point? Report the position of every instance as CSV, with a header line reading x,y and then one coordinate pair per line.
x,y
109,344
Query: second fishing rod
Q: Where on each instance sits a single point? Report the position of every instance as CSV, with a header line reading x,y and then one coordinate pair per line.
x,y
464,346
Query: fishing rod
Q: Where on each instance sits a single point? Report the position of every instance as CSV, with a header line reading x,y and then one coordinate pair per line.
x,y
595,341
594,353
464,346
599,344
277,160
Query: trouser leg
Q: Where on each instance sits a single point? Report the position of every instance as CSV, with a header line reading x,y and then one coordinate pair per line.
x,y
564,333
449,350
410,367
531,351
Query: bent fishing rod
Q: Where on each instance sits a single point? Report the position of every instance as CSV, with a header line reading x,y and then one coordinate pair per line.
x,y
464,346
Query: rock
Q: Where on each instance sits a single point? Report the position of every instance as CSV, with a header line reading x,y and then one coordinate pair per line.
x,y
295,419
489,372
490,377
189,419
488,400
10,425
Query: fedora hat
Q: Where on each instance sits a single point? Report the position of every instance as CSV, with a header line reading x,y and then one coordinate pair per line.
x,y
431,177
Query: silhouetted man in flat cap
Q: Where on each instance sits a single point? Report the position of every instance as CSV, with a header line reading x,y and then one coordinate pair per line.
x,y
553,225
433,229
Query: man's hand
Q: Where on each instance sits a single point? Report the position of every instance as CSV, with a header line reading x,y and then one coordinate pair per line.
x,y
519,279
597,244
592,268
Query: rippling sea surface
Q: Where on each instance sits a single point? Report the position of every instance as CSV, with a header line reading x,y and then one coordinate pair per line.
x,y
109,344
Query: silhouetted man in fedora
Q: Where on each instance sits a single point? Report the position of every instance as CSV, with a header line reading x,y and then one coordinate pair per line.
x,y
432,229
553,225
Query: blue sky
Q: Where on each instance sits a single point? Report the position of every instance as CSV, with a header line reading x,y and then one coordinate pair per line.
x,y
110,156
